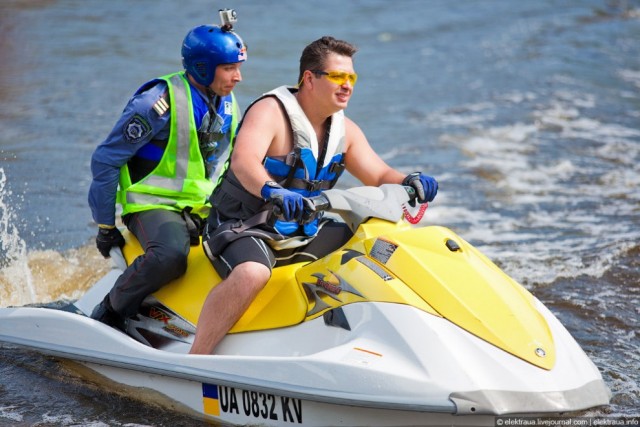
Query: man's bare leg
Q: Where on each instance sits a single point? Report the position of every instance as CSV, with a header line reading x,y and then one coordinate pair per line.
x,y
226,303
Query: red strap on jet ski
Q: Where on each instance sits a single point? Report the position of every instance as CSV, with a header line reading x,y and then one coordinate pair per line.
x,y
415,219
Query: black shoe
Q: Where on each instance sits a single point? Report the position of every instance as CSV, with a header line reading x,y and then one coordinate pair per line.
x,y
104,313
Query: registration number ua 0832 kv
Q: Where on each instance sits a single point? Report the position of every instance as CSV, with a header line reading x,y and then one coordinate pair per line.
x,y
221,400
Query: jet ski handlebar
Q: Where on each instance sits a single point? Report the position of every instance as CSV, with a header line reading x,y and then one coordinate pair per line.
x,y
356,205
322,202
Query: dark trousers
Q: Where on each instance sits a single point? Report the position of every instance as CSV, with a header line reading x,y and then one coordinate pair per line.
x,y
165,239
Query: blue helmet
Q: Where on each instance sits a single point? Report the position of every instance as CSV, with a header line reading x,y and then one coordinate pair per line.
x,y
207,46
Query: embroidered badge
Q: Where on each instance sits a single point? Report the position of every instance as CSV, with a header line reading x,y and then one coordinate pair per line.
x,y
136,128
228,107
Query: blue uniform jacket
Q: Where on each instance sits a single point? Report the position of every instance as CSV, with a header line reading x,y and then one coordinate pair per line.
x,y
138,124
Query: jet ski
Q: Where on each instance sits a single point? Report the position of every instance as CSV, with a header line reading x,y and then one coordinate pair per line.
x,y
402,326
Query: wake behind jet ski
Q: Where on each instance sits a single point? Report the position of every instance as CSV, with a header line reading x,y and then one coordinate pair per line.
x,y
403,325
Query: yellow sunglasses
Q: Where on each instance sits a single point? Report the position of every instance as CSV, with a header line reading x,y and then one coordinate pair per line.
x,y
337,77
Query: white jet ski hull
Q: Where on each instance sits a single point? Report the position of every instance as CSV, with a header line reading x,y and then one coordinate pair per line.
x,y
341,378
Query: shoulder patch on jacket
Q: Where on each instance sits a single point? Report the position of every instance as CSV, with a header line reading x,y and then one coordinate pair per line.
x,y
136,128
161,106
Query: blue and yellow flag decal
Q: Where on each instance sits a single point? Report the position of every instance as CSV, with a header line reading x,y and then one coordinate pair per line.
x,y
210,400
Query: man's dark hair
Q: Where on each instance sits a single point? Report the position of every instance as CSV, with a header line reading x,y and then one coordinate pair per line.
x,y
314,55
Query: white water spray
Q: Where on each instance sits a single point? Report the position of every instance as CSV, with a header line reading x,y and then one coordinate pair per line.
x,y
16,282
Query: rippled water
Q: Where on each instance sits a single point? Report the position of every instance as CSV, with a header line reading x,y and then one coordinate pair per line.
x,y
528,113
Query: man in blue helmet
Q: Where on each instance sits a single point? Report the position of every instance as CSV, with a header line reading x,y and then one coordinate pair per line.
x,y
161,161
294,142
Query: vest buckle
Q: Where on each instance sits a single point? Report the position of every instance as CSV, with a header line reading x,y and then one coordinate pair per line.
x,y
314,185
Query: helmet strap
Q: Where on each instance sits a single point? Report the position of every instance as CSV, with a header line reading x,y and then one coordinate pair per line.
x,y
212,100
211,96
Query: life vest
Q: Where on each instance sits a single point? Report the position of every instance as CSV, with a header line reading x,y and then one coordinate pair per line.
x,y
179,181
304,170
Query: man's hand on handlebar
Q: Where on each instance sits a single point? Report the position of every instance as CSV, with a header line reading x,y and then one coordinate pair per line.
x,y
426,187
292,206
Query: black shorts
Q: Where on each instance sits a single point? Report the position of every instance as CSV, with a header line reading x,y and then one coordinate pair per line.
x,y
331,236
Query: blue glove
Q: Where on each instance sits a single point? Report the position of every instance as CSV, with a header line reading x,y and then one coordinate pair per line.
x,y
426,187
291,203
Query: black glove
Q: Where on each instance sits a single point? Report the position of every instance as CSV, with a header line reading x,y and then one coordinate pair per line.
x,y
426,187
108,238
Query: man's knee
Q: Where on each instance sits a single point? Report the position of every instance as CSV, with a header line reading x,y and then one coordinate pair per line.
x,y
170,262
253,275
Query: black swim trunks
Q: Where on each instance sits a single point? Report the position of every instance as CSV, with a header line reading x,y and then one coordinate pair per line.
x,y
250,245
